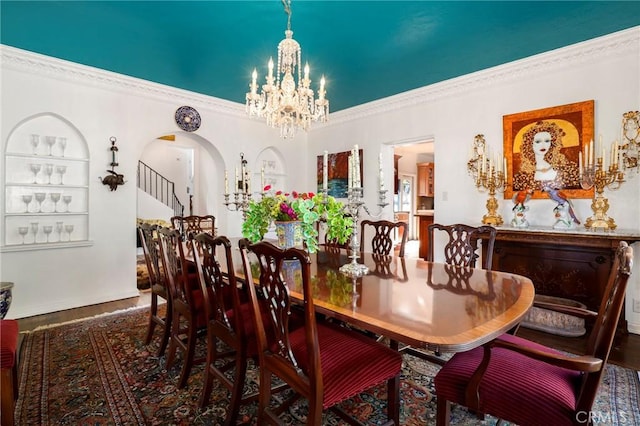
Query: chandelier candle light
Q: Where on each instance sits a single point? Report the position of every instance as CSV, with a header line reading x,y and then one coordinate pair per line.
x,y
282,102
488,174
355,193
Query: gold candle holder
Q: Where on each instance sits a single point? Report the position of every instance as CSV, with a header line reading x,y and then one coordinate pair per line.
x,y
488,175
596,176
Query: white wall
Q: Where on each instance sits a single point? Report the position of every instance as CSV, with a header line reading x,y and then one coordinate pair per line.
x,y
453,112
102,104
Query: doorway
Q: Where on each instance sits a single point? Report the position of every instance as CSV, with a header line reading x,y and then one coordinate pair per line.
x,y
403,202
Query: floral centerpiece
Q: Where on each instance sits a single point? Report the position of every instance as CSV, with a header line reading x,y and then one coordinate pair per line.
x,y
306,208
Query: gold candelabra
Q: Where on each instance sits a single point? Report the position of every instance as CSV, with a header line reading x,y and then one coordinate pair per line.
x,y
488,175
597,174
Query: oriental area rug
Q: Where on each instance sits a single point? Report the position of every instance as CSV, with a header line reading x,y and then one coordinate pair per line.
x,y
100,372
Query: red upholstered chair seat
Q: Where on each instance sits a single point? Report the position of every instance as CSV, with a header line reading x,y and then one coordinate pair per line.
x,y
342,354
550,390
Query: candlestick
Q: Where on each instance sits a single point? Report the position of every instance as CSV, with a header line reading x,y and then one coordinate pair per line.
x,y
325,171
226,182
262,179
580,163
350,174
358,184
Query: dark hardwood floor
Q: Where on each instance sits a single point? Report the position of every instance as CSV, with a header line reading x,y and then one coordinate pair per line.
x,y
625,352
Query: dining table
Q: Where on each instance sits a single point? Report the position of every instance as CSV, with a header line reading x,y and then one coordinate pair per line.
x,y
421,304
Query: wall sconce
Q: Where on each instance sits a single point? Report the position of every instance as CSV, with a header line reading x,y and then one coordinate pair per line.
x,y
116,178
630,141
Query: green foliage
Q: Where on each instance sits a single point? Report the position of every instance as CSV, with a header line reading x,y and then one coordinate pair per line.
x,y
308,208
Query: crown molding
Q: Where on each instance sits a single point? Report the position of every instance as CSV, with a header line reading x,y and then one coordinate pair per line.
x,y
47,66
611,45
615,44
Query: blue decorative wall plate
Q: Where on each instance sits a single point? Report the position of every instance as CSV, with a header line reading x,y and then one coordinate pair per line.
x,y
188,119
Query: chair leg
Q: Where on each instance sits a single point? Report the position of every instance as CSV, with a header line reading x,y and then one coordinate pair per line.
x,y
208,373
238,387
174,335
393,400
166,333
264,396
189,354
443,411
7,406
153,313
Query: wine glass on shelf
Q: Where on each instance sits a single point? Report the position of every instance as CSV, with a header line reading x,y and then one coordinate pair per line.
x,y
23,231
55,197
35,169
47,230
67,200
48,170
35,141
63,144
27,200
50,140
59,227
34,230
69,230
61,170
40,196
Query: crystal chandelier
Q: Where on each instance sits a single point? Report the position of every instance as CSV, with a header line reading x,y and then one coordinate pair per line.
x,y
282,102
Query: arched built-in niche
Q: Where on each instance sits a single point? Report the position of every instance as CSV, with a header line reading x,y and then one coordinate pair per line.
x,y
270,160
46,185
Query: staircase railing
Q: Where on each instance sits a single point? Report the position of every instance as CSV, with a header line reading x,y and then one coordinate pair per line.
x,y
159,187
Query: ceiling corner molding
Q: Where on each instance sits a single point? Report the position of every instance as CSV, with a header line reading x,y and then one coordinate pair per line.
x,y
47,66
615,44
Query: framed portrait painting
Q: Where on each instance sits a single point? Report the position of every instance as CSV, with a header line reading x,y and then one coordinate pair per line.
x,y
543,147
338,173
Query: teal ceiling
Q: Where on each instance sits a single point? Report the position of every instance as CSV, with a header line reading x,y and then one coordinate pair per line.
x,y
366,49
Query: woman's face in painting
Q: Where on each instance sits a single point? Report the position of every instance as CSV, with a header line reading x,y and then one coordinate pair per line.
x,y
541,143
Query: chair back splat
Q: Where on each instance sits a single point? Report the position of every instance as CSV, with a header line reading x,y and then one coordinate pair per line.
x,y
311,358
463,244
158,285
382,241
526,383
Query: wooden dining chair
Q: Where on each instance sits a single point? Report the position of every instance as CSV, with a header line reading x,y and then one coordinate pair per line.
x,y
321,362
526,383
194,224
158,285
463,244
229,320
382,239
188,313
